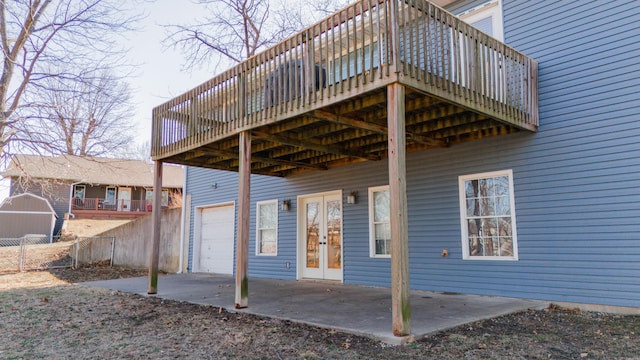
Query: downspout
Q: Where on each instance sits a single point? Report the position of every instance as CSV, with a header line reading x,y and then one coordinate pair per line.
x,y
183,217
71,197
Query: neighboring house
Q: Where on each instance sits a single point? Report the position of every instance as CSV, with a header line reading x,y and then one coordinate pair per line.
x,y
26,214
521,178
92,187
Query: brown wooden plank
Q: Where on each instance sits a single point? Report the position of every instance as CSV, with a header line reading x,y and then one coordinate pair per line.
x,y
155,228
244,217
400,305
314,145
186,229
268,160
372,127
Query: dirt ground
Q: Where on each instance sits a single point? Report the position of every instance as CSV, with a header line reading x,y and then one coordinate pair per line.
x,y
43,315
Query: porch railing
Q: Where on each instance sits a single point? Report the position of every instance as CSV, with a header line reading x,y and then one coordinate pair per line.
x,y
366,45
98,204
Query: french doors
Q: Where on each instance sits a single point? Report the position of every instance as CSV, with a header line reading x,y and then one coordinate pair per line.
x,y
320,236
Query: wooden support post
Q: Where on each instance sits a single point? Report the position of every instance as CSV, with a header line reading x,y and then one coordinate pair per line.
x,y
401,308
155,228
242,243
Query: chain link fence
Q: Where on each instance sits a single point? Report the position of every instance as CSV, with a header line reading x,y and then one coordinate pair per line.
x,y
38,253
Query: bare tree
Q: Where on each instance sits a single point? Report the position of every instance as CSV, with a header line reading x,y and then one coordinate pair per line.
x,y
91,117
142,151
69,40
236,29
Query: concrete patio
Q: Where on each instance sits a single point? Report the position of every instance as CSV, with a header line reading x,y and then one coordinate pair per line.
x,y
355,309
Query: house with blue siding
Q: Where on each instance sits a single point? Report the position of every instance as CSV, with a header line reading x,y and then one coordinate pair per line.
x,y
482,147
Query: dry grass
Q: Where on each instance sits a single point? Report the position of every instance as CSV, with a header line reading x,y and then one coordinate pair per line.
x,y
43,315
89,227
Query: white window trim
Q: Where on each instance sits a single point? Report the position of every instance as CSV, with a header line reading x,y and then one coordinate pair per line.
x,y
372,233
492,8
463,215
258,205
84,191
115,193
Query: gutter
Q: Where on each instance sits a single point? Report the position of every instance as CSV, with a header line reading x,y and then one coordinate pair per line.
x,y
71,196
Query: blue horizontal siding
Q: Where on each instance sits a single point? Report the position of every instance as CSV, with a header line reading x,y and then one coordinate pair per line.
x,y
577,198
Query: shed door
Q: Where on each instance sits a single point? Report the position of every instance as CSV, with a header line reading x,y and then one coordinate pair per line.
x,y
217,239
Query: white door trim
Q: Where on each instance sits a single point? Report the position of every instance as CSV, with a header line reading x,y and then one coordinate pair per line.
x,y
300,248
121,206
197,223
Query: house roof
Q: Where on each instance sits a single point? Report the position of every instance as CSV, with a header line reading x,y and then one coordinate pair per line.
x,y
93,170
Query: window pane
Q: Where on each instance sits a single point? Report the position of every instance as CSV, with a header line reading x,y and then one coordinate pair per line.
x,y
111,196
473,207
383,247
502,186
504,226
313,236
79,192
474,226
489,227
484,186
506,246
268,214
382,238
471,188
268,235
381,206
475,248
267,241
383,231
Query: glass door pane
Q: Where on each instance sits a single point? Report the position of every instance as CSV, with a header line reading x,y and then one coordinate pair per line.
x,y
334,234
313,235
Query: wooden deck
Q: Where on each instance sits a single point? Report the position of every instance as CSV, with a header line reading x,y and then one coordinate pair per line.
x,y
319,99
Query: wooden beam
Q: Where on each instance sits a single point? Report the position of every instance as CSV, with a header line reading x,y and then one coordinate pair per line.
x,y
373,127
344,120
313,145
190,155
273,161
155,229
400,305
242,243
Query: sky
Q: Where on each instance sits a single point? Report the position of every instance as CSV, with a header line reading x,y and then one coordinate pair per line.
x,y
160,74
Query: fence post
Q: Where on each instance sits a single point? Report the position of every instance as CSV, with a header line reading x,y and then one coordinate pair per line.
x,y
113,248
77,251
21,254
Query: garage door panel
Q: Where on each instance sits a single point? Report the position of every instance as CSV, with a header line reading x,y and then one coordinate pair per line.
x,y
217,239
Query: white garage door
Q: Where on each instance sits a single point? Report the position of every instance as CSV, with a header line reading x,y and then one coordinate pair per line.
x,y
216,239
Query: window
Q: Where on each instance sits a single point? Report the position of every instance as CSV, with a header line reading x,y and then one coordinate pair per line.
x,y
78,196
110,196
486,18
267,227
165,197
79,191
487,215
379,226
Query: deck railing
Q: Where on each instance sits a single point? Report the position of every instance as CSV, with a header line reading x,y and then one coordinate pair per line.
x,y
98,204
364,46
